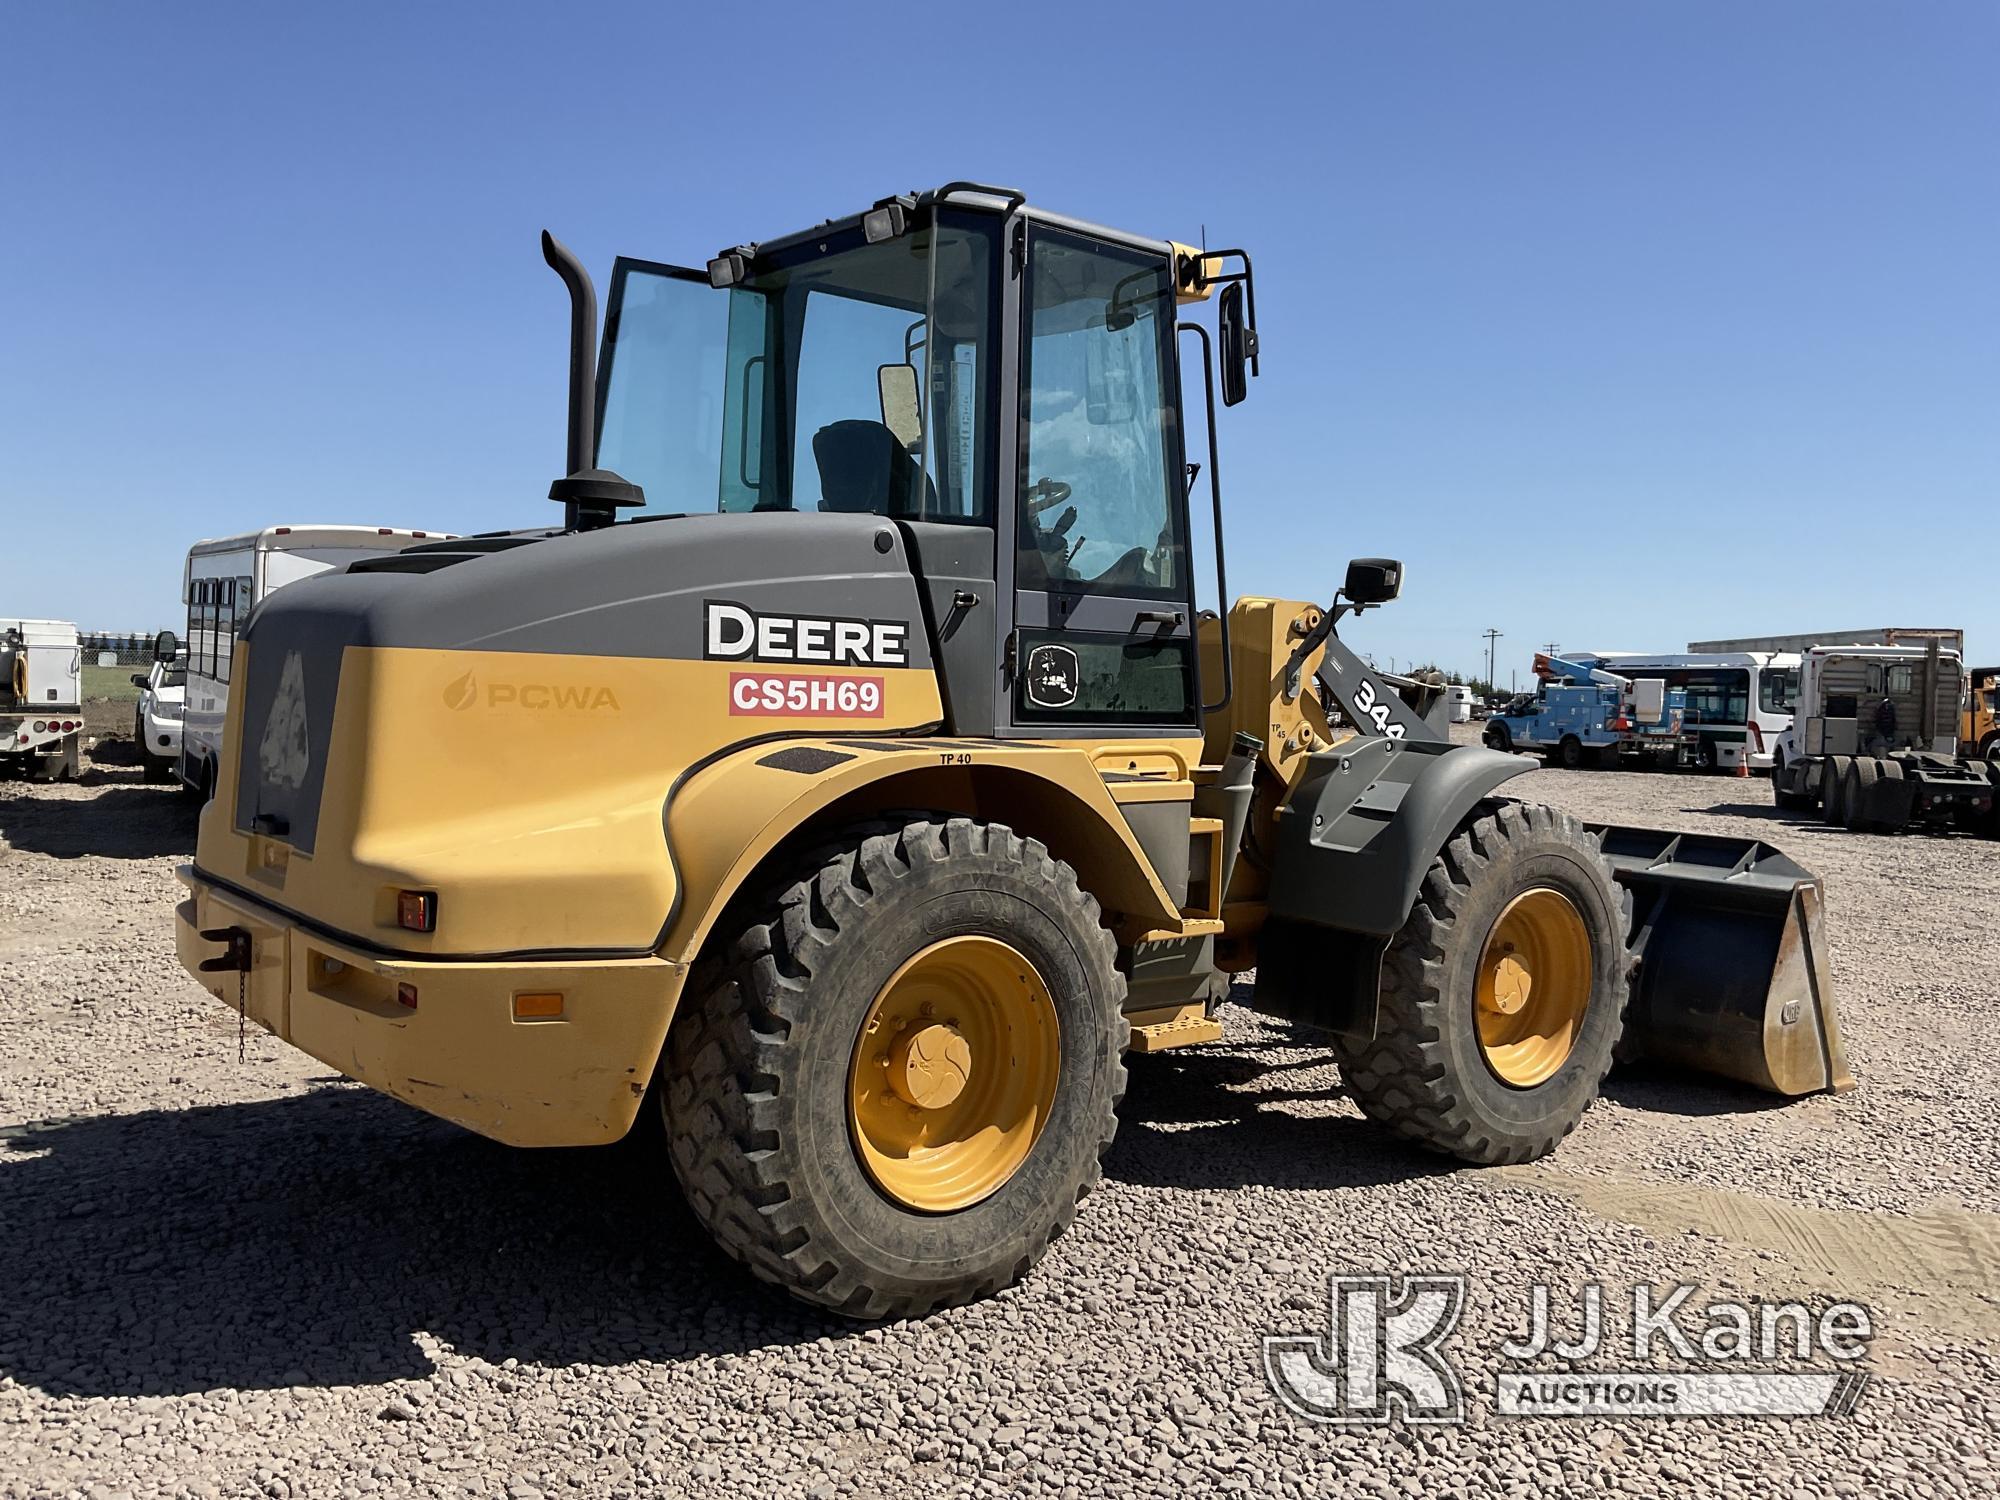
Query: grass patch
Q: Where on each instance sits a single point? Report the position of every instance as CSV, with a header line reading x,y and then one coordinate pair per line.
x,y
113,684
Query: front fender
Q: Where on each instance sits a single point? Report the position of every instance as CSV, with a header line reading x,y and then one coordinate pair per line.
x,y
1354,843
1364,825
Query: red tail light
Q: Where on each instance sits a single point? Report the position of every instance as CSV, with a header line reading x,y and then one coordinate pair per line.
x,y
417,910
1756,739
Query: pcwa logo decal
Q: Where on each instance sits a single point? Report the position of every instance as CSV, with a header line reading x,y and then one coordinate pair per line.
x,y
576,697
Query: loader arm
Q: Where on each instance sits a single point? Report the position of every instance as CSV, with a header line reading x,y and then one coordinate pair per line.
x,y
1368,698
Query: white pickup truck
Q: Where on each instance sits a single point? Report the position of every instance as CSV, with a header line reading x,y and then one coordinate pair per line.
x,y
41,699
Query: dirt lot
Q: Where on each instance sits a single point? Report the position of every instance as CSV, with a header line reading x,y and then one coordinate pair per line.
x,y
228,1276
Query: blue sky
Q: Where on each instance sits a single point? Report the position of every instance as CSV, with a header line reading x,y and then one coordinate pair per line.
x,y
1621,324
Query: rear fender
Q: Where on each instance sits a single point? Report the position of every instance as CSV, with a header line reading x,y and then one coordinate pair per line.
x,y
1353,846
729,818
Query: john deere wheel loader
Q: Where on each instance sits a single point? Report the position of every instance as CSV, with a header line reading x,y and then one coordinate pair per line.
x,y
867,792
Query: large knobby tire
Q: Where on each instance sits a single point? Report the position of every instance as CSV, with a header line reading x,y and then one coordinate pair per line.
x,y
1427,1074
767,1139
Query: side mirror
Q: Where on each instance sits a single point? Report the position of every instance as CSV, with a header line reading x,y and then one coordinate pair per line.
x,y
1373,580
139,679
902,410
1238,342
166,645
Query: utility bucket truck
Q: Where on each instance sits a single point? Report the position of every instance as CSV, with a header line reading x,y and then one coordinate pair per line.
x,y
1581,714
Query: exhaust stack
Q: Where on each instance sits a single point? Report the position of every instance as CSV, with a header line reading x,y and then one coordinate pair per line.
x,y
591,496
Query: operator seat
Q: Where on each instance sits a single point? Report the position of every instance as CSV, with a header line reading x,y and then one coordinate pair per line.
x,y
865,470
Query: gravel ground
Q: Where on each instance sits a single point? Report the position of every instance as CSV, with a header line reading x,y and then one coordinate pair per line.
x,y
238,1277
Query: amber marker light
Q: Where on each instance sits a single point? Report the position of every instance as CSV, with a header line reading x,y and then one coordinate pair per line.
x,y
538,1005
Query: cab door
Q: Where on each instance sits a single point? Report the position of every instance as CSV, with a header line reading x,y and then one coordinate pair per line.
x,y
1103,635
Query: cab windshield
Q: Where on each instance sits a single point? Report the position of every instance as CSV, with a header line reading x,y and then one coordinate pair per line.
x,y
842,376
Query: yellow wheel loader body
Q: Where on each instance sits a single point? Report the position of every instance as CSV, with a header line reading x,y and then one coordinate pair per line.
x,y
869,796
599,888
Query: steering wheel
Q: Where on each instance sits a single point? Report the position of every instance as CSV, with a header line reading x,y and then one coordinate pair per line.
x,y
1044,493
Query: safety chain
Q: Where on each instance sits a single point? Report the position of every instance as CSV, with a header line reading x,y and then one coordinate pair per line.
x,y
235,955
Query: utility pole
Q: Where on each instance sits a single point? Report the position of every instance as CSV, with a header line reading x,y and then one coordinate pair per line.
x,y
1551,648
1491,636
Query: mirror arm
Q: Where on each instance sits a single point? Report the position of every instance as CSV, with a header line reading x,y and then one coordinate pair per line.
x,y
1215,500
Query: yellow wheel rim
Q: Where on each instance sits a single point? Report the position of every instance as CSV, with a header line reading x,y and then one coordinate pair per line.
x,y
954,1074
1533,987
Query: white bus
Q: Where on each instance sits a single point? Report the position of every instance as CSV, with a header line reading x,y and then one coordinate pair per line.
x,y
222,582
1739,702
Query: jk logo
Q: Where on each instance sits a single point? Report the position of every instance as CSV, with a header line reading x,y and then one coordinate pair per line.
x,y
1379,1355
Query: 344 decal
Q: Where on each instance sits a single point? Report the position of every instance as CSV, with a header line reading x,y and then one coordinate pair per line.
x,y
1376,708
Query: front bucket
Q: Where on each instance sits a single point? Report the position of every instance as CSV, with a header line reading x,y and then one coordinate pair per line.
x,y
1733,975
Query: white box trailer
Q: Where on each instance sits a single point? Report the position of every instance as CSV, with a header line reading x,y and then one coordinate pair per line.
x,y
41,698
223,581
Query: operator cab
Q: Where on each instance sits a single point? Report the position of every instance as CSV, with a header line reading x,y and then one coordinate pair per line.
x,y
1001,383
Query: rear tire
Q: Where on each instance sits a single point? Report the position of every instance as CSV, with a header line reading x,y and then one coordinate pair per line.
x,y
760,1076
1857,795
1569,754
1430,1074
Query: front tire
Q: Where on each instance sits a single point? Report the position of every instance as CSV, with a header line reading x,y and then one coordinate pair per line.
x,y
884,1175
1786,801
1504,994
1833,789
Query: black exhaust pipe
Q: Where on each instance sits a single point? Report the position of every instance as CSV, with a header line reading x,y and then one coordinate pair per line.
x,y
591,497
